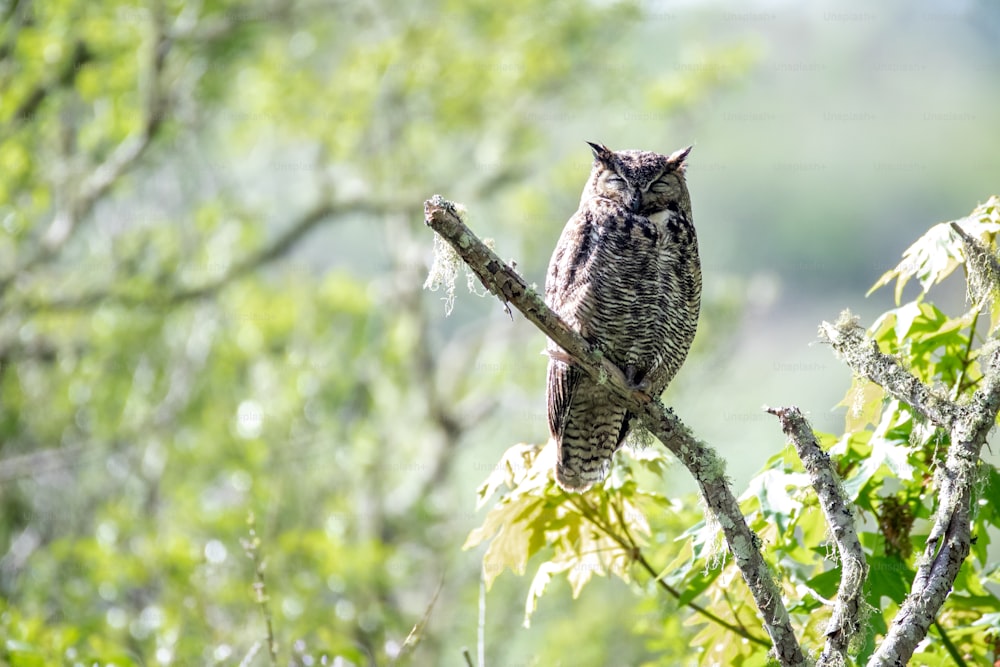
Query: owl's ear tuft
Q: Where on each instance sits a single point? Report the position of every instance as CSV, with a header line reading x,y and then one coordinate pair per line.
x,y
676,159
601,152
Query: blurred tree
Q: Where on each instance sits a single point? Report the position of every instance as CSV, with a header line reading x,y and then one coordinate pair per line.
x,y
174,356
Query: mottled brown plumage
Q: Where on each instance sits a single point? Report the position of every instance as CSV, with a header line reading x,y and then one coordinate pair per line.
x,y
626,275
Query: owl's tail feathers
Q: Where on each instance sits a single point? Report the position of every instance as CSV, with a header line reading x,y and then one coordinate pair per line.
x,y
586,445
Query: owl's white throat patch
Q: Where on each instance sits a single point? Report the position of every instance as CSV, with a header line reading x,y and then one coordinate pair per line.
x,y
660,217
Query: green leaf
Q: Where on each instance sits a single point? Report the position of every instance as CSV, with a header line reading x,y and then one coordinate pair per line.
x,y
509,524
930,259
538,585
887,449
826,583
905,315
698,584
888,577
776,503
937,253
864,404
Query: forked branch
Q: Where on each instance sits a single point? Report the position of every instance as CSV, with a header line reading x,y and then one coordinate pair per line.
x,y
949,541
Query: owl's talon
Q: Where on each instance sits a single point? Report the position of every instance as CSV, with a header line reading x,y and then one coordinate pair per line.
x,y
643,385
636,379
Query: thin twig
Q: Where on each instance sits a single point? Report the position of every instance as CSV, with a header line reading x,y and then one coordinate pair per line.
x,y
481,625
961,386
252,548
591,514
417,631
732,608
633,547
251,654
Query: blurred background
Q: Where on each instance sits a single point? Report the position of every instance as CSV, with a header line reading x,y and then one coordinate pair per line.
x,y
212,255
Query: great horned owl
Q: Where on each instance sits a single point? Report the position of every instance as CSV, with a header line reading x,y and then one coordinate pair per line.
x,y
625,275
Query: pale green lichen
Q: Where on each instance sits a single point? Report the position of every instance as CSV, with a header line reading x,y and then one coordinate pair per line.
x,y
982,278
715,553
859,638
443,272
639,436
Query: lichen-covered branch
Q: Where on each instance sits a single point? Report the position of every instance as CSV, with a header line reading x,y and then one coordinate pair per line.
x,y
949,541
864,357
703,463
849,606
982,267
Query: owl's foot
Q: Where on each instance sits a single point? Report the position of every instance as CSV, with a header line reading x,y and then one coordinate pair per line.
x,y
636,380
633,378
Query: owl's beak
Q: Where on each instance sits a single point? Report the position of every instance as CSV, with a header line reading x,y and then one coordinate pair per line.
x,y
635,202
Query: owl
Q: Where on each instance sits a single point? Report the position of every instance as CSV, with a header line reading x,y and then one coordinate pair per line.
x,y
626,276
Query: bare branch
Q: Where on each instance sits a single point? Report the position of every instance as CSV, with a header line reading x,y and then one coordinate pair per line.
x,y
33,100
977,247
949,541
864,357
848,609
123,157
79,204
706,466
176,295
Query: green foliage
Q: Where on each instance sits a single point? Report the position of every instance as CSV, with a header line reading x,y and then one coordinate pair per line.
x,y
181,345
886,457
175,354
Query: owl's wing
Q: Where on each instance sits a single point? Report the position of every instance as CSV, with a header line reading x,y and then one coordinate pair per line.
x,y
562,381
565,285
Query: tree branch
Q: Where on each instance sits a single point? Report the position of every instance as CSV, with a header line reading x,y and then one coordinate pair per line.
x,y
176,295
975,251
949,541
864,357
706,466
106,174
847,612
80,203
33,100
